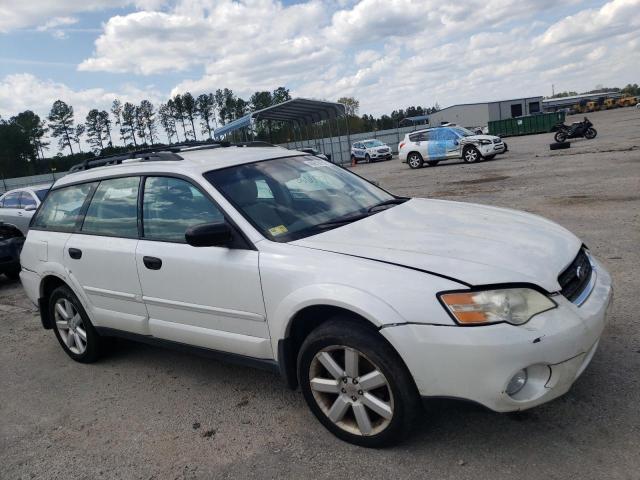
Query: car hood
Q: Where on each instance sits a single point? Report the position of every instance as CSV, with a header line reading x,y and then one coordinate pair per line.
x,y
477,138
472,243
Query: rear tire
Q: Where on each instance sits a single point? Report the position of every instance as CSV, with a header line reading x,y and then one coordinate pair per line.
x,y
471,155
415,160
72,326
560,137
372,401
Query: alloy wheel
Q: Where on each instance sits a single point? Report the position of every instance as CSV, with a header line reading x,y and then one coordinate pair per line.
x,y
70,326
471,155
351,390
414,161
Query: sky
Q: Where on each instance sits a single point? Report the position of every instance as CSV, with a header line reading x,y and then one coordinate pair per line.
x,y
388,54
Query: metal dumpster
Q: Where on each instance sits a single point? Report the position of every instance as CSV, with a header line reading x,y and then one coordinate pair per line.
x,y
525,125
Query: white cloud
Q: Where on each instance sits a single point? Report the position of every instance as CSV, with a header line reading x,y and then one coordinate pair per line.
x,y
616,17
29,13
387,53
56,22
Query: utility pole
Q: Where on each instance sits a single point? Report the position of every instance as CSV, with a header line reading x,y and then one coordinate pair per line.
x,y
553,90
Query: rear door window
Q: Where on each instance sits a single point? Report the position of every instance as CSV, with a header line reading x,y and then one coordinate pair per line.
x,y
26,200
113,210
60,211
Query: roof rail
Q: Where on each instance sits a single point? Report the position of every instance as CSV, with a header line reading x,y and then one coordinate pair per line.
x,y
160,152
142,155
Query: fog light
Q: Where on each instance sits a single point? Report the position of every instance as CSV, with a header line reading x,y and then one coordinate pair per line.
x,y
517,382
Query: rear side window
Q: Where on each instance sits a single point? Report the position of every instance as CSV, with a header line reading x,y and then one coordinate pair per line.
x,y
419,137
27,200
12,200
113,210
61,210
171,206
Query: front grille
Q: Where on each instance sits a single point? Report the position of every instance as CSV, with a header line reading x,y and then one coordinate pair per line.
x,y
576,276
383,150
497,140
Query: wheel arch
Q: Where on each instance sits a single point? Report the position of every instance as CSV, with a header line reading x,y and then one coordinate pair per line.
x,y
305,317
48,284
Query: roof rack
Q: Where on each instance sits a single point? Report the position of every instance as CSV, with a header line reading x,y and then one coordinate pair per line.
x,y
160,152
143,156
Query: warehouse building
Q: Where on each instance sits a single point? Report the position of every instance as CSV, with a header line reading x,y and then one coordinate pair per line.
x,y
480,114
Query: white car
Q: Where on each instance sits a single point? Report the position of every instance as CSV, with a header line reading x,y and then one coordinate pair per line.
x,y
434,145
371,150
17,206
277,259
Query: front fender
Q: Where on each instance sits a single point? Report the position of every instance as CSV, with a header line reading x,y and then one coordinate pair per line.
x,y
358,301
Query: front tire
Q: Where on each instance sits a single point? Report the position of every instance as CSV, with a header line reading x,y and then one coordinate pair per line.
x,y
471,155
367,158
590,134
356,385
72,327
415,160
560,137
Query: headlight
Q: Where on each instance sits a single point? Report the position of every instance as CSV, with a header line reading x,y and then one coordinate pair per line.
x,y
511,305
485,142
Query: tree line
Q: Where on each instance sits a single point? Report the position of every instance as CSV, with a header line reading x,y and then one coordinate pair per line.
x,y
128,126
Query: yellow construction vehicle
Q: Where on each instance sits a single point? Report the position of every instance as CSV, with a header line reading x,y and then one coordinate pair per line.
x,y
586,107
627,101
610,103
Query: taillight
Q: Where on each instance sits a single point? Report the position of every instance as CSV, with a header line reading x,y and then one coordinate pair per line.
x,y
400,146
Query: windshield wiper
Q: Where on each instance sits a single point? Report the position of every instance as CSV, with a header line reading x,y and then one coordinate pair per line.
x,y
341,221
353,218
392,201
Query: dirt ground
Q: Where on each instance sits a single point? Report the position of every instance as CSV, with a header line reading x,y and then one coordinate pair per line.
x,y
145,412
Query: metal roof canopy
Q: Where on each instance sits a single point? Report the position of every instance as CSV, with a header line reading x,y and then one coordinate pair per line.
x,y
302,111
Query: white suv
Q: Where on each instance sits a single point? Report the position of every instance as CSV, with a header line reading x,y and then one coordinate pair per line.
x,y
271,257
370,150
434,145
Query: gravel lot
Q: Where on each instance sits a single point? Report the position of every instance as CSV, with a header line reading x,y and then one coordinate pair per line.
x,y
146,412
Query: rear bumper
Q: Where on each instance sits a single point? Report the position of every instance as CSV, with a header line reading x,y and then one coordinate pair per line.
x,y
31,284
476,363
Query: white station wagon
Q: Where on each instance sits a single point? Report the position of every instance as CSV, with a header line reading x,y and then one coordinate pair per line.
x,y
274,258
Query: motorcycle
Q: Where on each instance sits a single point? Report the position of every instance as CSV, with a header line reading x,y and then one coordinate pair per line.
x,y
575,130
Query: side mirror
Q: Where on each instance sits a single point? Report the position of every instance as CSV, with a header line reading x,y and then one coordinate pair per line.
x,y
30,208
216,234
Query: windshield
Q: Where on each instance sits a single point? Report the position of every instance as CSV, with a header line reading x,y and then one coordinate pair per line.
x,y
41,193
294,197
463,132
373,143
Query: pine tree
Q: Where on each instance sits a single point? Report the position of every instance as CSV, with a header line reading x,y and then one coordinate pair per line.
x,y
61,124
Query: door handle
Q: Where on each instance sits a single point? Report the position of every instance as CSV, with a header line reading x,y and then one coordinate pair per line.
x,y
75,253
152,263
